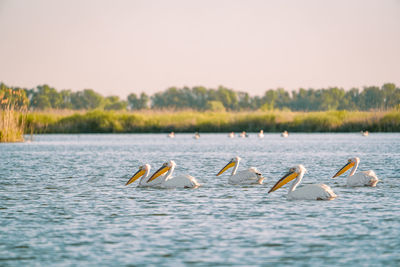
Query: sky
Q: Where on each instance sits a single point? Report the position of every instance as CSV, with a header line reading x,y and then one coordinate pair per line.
x,y
121,47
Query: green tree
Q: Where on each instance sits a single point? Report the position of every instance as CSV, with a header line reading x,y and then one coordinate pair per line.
x,y
114,103
86,99
214,105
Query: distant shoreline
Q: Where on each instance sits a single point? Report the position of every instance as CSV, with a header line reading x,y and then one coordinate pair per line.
x,y
99,121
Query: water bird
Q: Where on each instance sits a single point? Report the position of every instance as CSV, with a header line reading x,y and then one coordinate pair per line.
x,y
285,134
244,135
364,133
261,134
231,135
249,176
168,181
196,135
363,178
171,135
307,192
143,172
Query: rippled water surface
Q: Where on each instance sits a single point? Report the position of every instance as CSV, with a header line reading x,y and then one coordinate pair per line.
x,y
63,201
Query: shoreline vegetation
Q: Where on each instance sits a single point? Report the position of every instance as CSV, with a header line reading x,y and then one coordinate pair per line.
x,y
100,121
13,112
45,110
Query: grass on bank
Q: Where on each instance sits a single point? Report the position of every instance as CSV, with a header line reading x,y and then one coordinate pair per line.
x,y
99,121
13,110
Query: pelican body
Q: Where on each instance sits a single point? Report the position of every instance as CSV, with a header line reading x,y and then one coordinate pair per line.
x,y
168,181
307,192
249,176
363,178
244,135
143,172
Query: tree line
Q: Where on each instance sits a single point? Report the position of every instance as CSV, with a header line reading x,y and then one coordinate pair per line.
x,y
200,98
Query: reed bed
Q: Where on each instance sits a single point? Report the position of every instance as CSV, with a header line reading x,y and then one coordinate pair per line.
x,y
99,121
13,111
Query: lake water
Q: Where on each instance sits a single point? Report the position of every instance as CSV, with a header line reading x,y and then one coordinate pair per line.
x,y
63,201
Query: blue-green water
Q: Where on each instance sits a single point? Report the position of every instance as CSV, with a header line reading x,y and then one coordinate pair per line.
x,y
63,202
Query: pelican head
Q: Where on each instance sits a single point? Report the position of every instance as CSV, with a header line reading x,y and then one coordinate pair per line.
x,y
350,163
164,168
142,170
289,176
231,163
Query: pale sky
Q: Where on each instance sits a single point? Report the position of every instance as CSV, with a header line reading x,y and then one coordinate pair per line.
x,y
119,47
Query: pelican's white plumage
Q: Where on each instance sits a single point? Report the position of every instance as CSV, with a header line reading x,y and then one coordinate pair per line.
x,y
364,133
243,135
168,181
363,178
143,172
249,176
307,192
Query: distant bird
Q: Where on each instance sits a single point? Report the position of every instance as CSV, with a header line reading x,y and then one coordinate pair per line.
x,y
261,134
143,172
171,135
231,135
364,133
249,176
363,178
244,135
167,181
196,135
284,134
307,192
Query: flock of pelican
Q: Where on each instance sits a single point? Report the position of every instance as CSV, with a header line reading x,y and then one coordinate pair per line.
x,y
163,178
244,134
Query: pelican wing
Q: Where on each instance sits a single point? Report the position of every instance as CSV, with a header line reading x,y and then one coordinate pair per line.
x,y
250,176
312,192
184,181
364,178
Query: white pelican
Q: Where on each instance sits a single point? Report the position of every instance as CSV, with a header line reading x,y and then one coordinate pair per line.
x,y
231,135
307,192
284,134
244,135
364,133
196,135
249,176
171,135
364,178
183,181
261,134
143,172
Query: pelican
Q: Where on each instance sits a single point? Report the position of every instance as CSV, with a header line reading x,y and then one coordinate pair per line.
x,y
171,135
143,172
244,135
231,135
167,181
364,178
364,133
307,192
284,134
261,134
249,176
